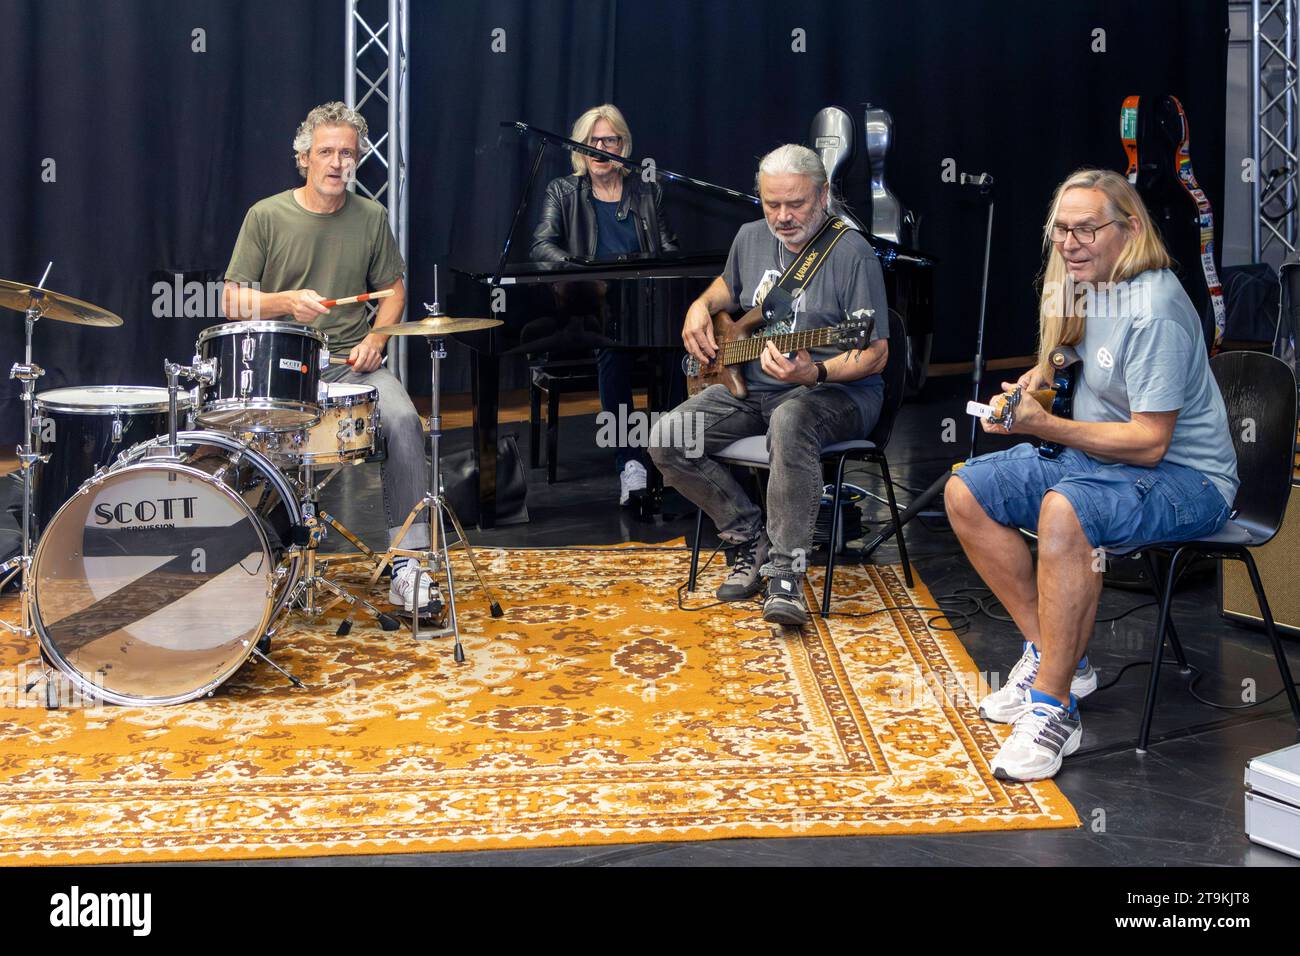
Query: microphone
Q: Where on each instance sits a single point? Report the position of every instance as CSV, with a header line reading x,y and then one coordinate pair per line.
x,y
983,180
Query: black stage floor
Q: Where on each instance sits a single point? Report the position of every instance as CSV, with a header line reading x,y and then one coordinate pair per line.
x,y
1181,803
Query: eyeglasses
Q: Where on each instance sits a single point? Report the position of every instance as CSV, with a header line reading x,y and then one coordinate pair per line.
x,y
608,143
1084,234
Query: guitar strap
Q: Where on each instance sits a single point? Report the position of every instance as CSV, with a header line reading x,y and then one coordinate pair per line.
x,y
808,262
1128,134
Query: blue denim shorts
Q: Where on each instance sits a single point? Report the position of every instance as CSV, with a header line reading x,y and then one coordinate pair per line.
x,y
1119,506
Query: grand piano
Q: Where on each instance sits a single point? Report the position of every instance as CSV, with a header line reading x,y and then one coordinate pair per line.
x,y
654,291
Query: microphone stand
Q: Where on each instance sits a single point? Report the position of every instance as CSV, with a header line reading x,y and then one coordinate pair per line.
x,y
985,183
916,508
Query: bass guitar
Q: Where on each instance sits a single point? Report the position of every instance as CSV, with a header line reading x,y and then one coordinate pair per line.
x,y
738,344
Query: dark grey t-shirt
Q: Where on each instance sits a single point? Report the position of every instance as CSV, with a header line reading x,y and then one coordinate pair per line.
x,y
1143,351
849,280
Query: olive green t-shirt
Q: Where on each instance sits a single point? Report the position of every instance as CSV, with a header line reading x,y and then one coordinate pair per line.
x,y
283,246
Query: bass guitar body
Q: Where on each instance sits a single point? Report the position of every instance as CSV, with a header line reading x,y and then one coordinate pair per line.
x,y
725,330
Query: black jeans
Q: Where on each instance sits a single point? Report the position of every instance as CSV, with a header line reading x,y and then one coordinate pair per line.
x,y
798,422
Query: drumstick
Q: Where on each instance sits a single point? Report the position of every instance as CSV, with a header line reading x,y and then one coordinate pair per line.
x,y
341,360
363,297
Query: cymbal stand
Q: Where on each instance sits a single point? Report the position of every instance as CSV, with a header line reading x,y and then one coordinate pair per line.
x,y
27,372
436,558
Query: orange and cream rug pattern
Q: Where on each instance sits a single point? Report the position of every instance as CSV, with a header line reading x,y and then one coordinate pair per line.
x,y
595,711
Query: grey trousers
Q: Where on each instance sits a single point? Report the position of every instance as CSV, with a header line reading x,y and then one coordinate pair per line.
x,y
798,423
405,473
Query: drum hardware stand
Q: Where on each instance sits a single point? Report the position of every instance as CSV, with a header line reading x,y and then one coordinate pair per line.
x,y
314,579
436,557
197,371
261,656
27,372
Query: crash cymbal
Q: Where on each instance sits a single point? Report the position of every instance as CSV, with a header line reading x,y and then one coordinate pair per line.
x,y
55,305
439,325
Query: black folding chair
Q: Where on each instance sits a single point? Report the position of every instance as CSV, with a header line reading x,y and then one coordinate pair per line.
x,y
1260,394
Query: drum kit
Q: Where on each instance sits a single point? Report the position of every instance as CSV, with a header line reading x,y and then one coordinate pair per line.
x,y
155,561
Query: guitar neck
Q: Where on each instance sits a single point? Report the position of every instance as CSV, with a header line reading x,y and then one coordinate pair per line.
x,y
747,350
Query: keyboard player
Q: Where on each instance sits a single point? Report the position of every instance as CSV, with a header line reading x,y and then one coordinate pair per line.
x,y
600,212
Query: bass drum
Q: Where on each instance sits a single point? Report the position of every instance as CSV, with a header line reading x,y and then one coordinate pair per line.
x,y
153,584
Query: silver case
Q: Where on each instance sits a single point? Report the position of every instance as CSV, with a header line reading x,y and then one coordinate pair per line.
x,y
1273,800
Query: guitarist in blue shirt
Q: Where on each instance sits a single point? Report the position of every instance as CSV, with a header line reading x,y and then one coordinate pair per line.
x,y
1146,457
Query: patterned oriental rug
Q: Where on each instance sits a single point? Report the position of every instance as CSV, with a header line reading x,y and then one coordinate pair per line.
x,y
595,712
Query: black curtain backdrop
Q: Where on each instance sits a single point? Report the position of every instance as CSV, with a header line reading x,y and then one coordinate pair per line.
x,y
160,150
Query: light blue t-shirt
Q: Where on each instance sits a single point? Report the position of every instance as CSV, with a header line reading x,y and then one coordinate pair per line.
x,y
1143,351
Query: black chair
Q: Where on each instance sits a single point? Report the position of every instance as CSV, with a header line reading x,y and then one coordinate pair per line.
x,y
1260,389
751,453
554,378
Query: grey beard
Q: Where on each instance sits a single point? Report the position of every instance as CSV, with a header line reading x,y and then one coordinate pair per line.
x,y
814,224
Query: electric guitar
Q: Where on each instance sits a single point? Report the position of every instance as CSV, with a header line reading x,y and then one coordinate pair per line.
x,y
738,344
1058,400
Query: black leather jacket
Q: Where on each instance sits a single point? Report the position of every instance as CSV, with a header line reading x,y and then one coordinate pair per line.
x,y
568,223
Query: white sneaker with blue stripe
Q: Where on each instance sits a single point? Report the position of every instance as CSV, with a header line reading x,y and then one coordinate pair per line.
x,y
1044,735
1007,703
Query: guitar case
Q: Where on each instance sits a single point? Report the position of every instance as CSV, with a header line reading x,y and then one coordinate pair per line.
x,y
833,137
1157,142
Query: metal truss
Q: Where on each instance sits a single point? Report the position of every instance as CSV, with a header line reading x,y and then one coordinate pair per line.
x,y
1275,96
376,84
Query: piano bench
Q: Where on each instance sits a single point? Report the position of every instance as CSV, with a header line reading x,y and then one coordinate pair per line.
x,y
555,379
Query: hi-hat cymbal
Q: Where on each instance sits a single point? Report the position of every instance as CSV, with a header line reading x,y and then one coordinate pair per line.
x,y
436,325
55,305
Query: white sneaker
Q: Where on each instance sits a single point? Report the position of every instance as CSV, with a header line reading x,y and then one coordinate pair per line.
x,y
1044,735
1007,703
402,590
630,479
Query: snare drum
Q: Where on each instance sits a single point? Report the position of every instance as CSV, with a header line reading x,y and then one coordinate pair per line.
x,y
266,376
154,583
347,431
84,428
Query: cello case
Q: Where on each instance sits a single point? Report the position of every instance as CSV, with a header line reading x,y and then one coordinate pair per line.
x,y
891,220
832,139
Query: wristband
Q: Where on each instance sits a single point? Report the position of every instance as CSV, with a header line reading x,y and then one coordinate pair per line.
x,y
821,372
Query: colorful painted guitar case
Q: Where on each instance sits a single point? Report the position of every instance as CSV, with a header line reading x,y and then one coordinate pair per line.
x,y
1158,149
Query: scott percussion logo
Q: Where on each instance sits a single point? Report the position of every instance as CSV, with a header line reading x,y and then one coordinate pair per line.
x,y
75,908
129,513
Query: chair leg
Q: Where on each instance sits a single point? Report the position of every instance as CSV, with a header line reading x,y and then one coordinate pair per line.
x,y
552,434
898,525
1175,644
1279,654
534,427
1158,653
830,544
695,549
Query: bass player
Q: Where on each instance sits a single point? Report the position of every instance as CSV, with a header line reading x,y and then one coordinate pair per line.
x,y
802,401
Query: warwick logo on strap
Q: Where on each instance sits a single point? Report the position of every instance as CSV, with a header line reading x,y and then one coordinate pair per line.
x,y
803,269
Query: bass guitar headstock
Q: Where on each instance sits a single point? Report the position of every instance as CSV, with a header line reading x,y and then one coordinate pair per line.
x,y
854,335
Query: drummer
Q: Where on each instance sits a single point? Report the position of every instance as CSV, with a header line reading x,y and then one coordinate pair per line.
x,y
321,241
